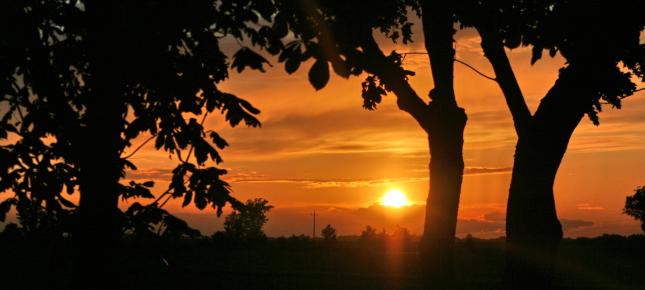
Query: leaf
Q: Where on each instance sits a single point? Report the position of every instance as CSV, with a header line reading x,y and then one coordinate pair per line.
x,y
247,106
291,65
246,57
66,202
340,68
218,140
149,183
537,54
319,74
187,198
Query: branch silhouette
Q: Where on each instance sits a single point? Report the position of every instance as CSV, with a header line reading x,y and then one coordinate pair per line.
x,y
463,63
140,146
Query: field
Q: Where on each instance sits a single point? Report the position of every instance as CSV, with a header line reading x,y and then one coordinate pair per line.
x,y
607,262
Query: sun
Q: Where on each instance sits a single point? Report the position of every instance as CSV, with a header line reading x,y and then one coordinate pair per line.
x,y
394,198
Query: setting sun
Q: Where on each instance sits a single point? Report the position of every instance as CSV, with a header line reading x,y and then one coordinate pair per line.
x,y
394,198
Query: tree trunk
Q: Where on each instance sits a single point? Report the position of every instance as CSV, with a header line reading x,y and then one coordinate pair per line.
x,y
445,127
446,169
532,227
99,154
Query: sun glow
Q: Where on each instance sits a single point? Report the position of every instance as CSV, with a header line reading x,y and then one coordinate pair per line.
x,y
394,198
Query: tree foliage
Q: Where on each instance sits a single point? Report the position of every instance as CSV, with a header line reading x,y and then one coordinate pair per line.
x,y
635,206
170,60
246,223
333,35
599,37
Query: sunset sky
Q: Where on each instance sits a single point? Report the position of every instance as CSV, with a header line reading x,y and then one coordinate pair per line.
x,y
320,150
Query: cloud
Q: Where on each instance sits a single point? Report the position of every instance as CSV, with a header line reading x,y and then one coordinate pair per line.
x,y
486,170
150,174
571,224
327,183
495,216
312,183
480,228
588,206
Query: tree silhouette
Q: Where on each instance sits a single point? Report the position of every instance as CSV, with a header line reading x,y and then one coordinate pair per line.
x,y
600,41
81,80
245,224
332,32
328,234
635,206
369,234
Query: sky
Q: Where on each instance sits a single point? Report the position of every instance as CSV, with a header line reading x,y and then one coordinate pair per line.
x,y
319,150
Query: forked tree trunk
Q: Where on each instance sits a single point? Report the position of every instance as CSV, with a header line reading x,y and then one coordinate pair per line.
x,y
532,227
533,231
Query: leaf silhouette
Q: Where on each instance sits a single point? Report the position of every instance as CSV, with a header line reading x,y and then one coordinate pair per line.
x,y
319,74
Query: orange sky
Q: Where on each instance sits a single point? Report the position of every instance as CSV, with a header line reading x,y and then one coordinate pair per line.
x,y
320,149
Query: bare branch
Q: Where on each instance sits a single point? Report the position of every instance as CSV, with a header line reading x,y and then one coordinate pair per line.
x,y
140,146
475,70
461,62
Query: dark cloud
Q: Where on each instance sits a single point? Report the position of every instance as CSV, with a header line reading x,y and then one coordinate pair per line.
x,y
150,174
495,216
485,170
572,224
480,228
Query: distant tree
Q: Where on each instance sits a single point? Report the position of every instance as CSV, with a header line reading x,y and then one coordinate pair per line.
x,y
328,233
401,233
246,223
369,234
635,206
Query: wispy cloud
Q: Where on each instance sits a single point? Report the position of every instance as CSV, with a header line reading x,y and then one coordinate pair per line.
x,y
588,206
311,183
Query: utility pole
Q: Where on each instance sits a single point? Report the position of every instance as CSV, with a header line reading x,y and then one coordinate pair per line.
x,y
314,232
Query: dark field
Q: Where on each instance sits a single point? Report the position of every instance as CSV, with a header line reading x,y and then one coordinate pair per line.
x,y
607,262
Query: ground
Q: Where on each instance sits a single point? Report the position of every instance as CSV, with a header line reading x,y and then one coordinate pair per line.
x,y
607,262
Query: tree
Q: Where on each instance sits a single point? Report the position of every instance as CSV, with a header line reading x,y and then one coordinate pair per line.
x,y
328,234
245,224
635,206
80,80
332,32
369,234
600,41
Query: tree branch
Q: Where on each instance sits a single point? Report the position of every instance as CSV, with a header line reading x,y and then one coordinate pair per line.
x,y
494,51
407,99
461,62
438,34
140,146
